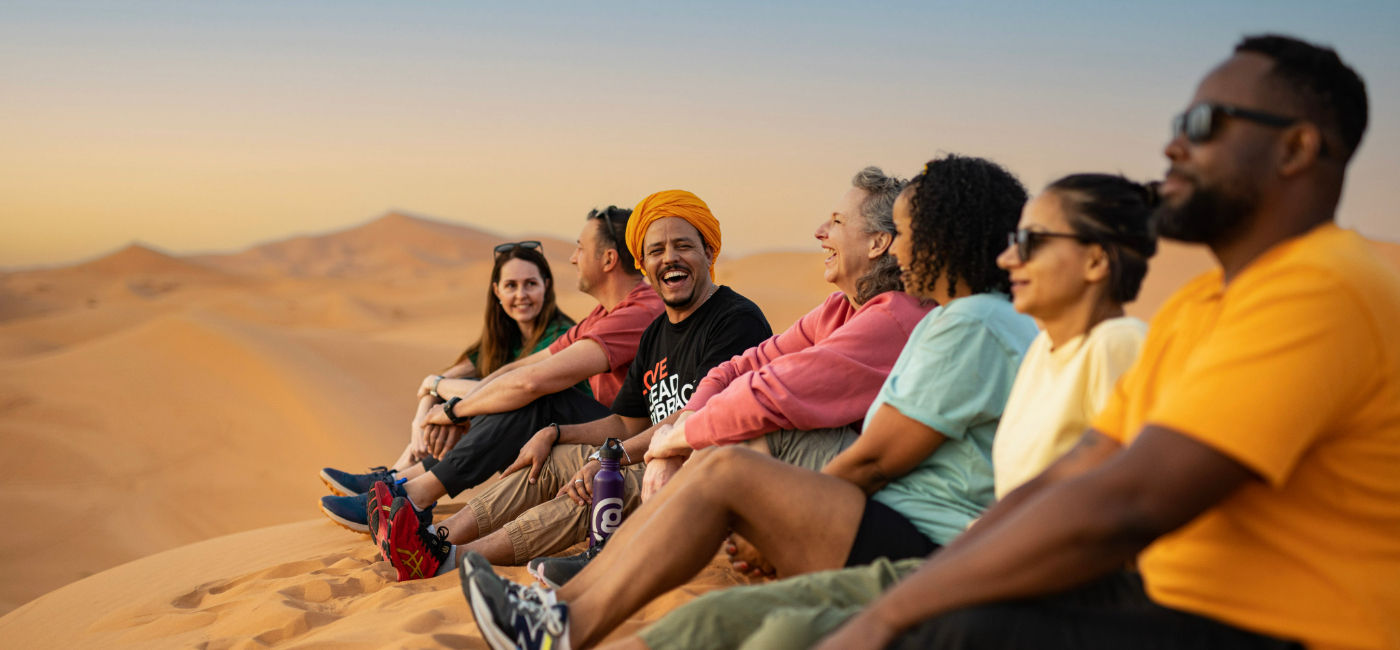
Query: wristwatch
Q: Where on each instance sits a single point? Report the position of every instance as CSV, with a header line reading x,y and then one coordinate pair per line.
x,y
447,409
433,391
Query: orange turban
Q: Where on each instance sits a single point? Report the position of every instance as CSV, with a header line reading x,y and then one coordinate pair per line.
x,y
672,203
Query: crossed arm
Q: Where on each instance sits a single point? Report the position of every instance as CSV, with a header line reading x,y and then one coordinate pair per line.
x,y
522,381
1089,513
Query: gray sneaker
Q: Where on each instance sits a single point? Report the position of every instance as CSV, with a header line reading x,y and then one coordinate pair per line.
x,y
555,571
510,615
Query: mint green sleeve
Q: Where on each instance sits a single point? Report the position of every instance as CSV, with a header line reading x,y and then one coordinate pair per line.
x,y
960,375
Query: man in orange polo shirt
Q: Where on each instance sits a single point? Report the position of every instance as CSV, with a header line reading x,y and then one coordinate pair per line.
x,y
1250,461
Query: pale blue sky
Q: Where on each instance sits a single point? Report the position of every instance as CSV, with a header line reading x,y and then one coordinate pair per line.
x,y
202,126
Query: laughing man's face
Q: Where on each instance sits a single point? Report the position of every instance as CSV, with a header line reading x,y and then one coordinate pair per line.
x,y
677,262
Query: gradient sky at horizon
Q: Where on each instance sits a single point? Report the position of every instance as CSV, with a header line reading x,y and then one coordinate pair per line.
x,y
199,127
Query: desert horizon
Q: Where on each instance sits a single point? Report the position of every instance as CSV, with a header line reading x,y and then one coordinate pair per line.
x,y
155,409
196,314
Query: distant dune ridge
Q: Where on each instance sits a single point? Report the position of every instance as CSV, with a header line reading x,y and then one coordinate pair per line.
x,y
149,401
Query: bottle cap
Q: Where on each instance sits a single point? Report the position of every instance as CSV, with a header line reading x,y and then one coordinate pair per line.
x,y
612,449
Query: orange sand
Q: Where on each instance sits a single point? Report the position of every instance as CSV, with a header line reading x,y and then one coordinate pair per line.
x,y
162,421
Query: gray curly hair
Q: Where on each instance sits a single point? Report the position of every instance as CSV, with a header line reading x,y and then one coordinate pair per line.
x,y
878,211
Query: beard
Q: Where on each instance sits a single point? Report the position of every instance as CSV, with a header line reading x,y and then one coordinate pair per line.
x,y
1207,215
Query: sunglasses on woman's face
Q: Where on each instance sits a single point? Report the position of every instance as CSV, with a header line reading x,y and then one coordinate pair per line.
x,y
507,247
1025,241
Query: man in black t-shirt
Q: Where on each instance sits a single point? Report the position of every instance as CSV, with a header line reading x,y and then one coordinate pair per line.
x,y
536,513
673,357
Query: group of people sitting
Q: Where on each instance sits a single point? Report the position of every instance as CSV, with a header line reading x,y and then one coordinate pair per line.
x,y
968,444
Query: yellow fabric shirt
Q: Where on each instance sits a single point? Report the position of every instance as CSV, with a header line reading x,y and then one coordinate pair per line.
x,y
1293,370
1056,395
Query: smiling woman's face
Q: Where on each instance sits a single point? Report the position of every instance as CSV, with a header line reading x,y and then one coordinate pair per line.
x,y
903,246
1057,275
847,246
520,290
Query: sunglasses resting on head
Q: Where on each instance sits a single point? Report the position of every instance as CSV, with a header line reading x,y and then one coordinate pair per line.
x,y
502,249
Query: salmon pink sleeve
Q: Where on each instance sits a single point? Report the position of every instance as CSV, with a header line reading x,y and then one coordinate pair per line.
x,y
809,329
829,383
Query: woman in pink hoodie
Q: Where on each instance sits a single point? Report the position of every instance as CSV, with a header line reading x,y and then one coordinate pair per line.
x,y
801,395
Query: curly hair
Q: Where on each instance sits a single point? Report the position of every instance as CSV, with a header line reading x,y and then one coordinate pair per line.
x,y
878,212
961,208
1114,213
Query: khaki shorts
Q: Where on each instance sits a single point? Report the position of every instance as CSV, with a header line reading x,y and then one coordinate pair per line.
x,y
810,449
538,523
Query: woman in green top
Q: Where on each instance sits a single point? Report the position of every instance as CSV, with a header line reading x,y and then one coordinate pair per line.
x,y
521,318
520,312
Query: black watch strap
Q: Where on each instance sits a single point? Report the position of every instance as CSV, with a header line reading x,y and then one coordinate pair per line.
x,y
447,408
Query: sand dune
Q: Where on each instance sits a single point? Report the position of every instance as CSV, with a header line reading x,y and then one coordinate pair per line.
x,y
296,583
148,402
182,428
392,245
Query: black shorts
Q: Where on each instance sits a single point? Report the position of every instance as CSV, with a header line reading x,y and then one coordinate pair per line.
x,y
886,533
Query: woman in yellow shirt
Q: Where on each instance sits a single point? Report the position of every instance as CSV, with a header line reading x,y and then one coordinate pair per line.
x,y
1079,253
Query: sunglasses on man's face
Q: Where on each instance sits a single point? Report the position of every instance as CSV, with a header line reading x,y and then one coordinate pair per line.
x,y
507,247
1025,241
1201,122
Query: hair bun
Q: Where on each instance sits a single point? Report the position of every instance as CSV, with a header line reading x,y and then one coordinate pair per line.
x,y
1151,194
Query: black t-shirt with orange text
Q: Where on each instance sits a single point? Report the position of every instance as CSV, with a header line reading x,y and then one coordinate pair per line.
x,y
672,358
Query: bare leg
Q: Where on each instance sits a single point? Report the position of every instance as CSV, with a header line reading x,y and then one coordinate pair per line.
x,y
496,548
425,489
670,539
406,459
412,471
409,458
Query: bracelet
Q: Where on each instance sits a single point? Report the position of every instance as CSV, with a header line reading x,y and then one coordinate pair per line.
x,y
557,433
447,409
598,455
433,391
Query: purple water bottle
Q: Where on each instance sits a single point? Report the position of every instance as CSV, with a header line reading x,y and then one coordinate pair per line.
x,y
607,492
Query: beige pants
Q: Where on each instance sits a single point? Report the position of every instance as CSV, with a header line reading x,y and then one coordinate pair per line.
x,y
538,523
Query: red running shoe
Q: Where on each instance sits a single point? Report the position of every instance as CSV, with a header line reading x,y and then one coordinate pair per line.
x,y
381,499
409,544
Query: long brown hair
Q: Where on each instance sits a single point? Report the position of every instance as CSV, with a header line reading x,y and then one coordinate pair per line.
x,y
501,333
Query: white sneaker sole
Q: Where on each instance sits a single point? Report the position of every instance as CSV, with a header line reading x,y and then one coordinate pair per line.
x,y
480,612
336,488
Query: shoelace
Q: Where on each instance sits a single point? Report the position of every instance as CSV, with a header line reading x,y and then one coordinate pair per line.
x,y
535,602
436,541
380,469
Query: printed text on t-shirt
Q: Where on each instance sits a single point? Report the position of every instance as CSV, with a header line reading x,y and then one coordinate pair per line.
x,y
664,393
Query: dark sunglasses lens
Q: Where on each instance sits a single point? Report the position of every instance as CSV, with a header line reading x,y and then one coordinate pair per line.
x,y
502,249
1024,242
1199,123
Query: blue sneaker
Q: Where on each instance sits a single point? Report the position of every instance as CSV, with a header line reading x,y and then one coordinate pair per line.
x,y
343,484
510,615
352,512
